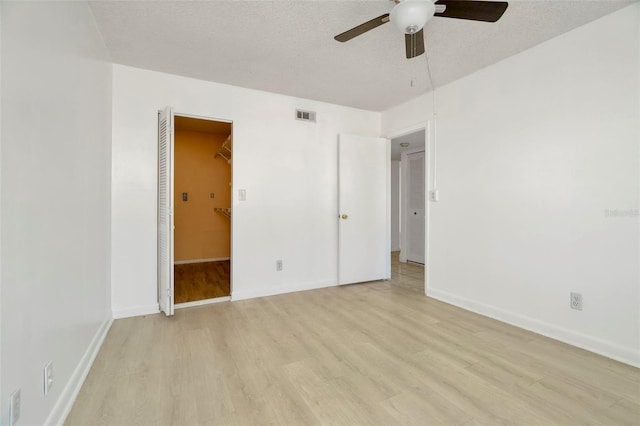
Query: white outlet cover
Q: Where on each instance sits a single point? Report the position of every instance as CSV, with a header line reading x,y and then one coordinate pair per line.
x,y
575,301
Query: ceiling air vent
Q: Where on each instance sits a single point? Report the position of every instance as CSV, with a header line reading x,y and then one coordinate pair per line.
x,y
305,115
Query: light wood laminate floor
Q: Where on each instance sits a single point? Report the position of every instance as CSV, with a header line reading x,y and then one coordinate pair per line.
x,y
366,354
408,275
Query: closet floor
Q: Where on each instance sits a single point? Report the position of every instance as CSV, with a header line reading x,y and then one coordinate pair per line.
x,y
199,281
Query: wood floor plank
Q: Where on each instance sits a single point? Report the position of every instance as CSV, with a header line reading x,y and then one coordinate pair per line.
x,y
424,407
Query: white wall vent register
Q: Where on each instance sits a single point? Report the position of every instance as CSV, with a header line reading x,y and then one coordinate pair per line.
x,y
305,115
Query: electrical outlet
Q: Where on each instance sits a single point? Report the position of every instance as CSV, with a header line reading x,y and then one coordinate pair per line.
x,y
14,408
576,301
278,265
434,195
48,376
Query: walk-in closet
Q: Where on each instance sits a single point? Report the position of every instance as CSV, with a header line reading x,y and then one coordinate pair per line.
x,y
202,209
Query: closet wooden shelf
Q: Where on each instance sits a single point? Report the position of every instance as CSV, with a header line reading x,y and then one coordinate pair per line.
x,y
225,150
224,211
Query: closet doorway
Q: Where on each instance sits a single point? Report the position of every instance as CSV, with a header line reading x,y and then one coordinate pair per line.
x,y
202,210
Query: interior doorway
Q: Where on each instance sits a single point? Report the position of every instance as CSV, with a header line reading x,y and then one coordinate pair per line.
x,y
408,209
203,151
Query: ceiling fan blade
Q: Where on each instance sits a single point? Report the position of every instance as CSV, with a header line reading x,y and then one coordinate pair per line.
x,y
414,44
362,28
487,11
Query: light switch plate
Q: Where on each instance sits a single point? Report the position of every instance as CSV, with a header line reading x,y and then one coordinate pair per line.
x,y
48,376
14,408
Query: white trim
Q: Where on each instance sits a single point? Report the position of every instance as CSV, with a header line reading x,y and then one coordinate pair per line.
x,y
186,262
63,405
388,224
602,347
408,130
136,311
272,291
202,117
202,302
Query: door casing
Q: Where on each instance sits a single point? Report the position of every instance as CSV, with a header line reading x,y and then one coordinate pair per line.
x,y
428,185
169,310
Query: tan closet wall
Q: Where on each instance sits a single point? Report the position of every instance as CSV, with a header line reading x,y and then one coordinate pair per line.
x,y
200,232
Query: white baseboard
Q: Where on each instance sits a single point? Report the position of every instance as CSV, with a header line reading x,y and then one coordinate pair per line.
x,y
592,344
272,291
63,405
136,311
186,262
202,302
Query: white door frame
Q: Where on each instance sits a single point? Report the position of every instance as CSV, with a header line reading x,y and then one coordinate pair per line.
x,y
231,261
232,256
428,183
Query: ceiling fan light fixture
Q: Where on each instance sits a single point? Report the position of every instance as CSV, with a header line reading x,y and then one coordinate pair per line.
x,y
410,16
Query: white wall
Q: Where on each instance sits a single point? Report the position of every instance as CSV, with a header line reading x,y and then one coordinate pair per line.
x,y
287,167
533,155
55,176
2,400
395,205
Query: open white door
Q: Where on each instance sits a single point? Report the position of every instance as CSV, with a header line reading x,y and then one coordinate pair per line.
x,y
414,214
165,211
364,252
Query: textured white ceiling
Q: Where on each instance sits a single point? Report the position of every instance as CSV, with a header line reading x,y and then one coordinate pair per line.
x,y
288,47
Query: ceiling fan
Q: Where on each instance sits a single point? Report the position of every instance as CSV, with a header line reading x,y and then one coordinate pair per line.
x,y
410,16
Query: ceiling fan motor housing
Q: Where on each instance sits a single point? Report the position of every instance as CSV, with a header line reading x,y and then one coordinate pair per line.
x,y
411,15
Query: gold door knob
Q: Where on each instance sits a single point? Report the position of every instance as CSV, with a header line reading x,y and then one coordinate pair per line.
x,y
344,216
